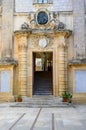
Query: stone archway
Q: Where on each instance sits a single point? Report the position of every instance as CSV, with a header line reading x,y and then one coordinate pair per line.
x,y
55,42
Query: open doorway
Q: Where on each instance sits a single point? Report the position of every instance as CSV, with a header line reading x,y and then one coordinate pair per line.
x,y
42,73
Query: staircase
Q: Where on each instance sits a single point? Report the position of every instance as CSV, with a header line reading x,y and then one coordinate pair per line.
x,y
47,101
43,83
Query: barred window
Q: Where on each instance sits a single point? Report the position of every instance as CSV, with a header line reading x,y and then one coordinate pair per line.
x,y
42,1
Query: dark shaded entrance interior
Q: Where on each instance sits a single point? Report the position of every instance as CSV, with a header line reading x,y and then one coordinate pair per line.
x,y
42,73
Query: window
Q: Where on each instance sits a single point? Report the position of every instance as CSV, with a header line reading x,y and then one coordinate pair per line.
x,y
80,81
42,1
4,81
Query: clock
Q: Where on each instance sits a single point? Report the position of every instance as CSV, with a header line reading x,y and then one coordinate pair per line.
x,y
42,18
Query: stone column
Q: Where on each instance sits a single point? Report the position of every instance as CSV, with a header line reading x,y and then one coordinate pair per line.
x,y
22,45
61,67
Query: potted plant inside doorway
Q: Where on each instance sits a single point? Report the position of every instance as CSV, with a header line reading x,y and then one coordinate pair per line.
x,y
19,98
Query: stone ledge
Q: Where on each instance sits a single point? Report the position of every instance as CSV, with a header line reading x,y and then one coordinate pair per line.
x,y
8,61
23,31
77,61
65,32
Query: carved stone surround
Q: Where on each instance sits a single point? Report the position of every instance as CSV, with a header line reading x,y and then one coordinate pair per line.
x,y
34,37
52,22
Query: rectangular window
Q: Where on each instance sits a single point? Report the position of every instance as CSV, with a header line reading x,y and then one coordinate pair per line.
x,y
80,81
4,81
42,1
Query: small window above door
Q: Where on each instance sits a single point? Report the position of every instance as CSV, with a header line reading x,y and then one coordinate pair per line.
x,y
42,1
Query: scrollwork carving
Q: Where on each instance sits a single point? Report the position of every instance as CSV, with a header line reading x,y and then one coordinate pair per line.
x,y
43,19
59,26
25,26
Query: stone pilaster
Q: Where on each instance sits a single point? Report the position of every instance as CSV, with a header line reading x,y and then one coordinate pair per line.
x,y
61,66
22,45
79,29
66,66
7,27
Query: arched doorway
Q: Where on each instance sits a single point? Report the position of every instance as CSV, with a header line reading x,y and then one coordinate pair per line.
x,y
42,73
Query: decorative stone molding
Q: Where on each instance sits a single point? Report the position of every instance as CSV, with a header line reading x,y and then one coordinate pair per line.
x,y
64,33
22,43
42,38
47,14
20,33
8,61
25,26
22,36
42,42
77,62
53,25
61,43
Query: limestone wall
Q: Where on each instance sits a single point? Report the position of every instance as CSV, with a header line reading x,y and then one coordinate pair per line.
x,y
66,18
27,5
19,20
62,5
79,28
74,21
7,27
23,8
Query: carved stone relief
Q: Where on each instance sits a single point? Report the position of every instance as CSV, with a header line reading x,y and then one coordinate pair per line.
x,y
43,19
40,42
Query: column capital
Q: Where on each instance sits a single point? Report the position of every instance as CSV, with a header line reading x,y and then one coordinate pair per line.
x,y
22,43
61,42
22,37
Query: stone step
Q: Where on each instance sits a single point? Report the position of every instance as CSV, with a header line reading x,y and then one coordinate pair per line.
x,y
26,104
41,101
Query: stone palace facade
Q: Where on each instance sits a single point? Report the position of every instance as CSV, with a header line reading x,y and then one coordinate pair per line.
x,y
44,37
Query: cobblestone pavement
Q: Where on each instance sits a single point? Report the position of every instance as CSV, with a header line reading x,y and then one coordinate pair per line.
x,y
58,118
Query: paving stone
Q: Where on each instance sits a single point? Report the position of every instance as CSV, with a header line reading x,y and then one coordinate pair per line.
x,y
16,118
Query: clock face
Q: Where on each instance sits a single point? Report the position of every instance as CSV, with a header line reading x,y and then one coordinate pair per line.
x,y
42,18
